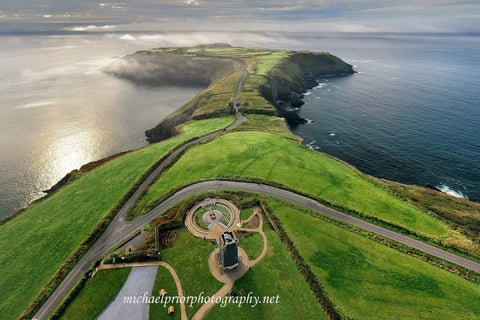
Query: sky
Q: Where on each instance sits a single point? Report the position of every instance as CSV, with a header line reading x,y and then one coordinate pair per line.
x,y
407,16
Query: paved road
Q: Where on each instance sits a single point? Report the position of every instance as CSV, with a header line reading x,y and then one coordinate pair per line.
x,y
118,231
311,204
118,227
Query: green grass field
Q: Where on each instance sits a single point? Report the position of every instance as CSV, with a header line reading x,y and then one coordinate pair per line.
x,y
189,257
250,98
215,98
96,294
164,280
267,62
66,218
368,280
245,214
252,244
263,123
275,275
275,158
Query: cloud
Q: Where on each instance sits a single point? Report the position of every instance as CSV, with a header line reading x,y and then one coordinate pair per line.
x,y
127,37
91,28
192,2
117,6
186,39
175,15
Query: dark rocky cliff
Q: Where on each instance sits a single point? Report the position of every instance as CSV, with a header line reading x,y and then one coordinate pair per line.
x,y
297,73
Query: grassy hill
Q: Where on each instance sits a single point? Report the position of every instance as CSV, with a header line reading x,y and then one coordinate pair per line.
x,y
39,242
262,149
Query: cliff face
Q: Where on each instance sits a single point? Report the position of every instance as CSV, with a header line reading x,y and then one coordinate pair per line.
x,y
299,72
166,128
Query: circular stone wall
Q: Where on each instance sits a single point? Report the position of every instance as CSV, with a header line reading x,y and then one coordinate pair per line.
x,y
210,214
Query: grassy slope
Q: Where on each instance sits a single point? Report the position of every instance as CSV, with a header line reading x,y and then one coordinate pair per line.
x,y
275,158
267,62
370,281
189,257
264,123
66,218
164,280
463,214
245,214
215,99
96,294
258,69
276,274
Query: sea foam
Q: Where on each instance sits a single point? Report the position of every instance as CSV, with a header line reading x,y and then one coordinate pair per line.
x,y
446,189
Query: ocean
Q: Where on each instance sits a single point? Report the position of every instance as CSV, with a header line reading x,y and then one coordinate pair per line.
x,y
411,113
60,111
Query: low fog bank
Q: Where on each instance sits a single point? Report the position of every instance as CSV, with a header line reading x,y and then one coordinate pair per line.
x,y
148,68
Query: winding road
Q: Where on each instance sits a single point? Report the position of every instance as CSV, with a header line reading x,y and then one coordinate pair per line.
x,y
120,229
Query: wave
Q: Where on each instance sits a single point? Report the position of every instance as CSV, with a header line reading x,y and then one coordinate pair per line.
x,y
318,86
312,146
446,189
290,109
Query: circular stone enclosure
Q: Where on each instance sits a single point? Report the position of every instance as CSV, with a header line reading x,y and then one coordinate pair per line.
x,y
208,213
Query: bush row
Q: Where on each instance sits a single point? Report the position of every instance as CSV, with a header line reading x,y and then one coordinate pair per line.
x,y
321,294
438,262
